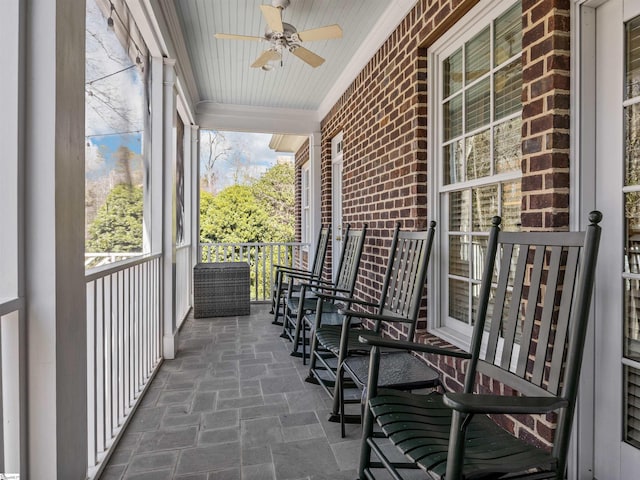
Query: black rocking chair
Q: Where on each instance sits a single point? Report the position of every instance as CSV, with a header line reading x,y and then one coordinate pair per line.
x,y
281,283
529,332
335,335
305,301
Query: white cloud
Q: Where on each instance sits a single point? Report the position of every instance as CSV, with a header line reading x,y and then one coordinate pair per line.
x,y
94,161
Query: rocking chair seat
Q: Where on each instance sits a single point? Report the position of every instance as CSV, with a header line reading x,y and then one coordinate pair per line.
x,y
329,337
419,425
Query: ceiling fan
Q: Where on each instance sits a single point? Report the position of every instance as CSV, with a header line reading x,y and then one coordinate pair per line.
x,y
283,36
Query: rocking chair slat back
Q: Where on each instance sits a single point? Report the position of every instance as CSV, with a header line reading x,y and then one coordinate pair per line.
x,y
350,259
321,252
529,322
406,276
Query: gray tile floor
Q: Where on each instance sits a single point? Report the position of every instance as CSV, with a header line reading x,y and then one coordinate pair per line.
x,y
233,405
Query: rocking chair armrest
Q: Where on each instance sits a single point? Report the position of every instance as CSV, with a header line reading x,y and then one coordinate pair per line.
x,y
377,341
324,285
310,277
375,316
286,268
474,403
347,300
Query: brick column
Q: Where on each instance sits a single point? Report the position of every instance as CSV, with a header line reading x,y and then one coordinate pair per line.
x,y
545,115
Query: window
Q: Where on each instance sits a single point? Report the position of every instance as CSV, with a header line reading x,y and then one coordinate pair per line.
x,y
477,112
306,203
117,119
631,276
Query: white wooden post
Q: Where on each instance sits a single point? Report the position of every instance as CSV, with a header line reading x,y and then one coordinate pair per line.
x,y
13,362
315,162
169,341
54,237
195,199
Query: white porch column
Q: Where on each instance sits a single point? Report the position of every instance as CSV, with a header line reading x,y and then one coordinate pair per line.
x,y
195,199
55,287
169,339
315,162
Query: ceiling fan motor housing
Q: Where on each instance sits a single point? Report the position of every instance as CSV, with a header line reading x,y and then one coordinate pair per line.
x,y
289,36
280,3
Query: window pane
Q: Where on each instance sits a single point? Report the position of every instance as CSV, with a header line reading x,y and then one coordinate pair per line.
x,y
477,55
632,406
479,155
485,207
507,146
511,206
453,168
632,147
508,90
459,211
459,300
459,255
452,118
632,231
452,68
632,62
478,105
478,253
508,34
116,116
474,307
632,319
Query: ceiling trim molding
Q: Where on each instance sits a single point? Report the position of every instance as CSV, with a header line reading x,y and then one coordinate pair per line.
x,y
287,143
146,21
384,27
185,69
161,27
242,118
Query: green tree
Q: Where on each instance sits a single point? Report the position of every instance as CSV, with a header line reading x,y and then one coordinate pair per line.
x,y
233,216
275,191
118,224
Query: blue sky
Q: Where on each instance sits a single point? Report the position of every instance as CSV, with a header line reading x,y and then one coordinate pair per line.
x,y
249,151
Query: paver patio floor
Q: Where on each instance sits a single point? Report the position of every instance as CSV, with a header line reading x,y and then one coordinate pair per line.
x,y
233,405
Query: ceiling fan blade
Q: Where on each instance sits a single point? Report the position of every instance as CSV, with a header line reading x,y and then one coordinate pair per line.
x,y
264,58
231,36
322,33
308,56
273,16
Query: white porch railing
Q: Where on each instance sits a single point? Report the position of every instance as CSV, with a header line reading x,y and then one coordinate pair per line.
x,y
12,386
94,260
262,258
124,335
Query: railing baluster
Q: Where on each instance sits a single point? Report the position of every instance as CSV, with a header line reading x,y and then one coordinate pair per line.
x,y
123,343
262,258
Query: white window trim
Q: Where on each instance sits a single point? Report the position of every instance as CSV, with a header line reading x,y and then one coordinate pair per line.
x,y
452,331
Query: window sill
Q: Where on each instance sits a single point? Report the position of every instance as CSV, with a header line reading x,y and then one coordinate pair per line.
x,y
450,336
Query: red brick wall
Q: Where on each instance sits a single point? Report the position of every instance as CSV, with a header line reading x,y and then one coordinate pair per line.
x,y
545,114
383,117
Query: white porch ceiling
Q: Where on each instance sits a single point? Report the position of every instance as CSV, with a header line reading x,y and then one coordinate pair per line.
x,y
290,99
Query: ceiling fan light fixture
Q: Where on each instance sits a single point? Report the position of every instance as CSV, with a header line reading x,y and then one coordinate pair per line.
x,y
267,67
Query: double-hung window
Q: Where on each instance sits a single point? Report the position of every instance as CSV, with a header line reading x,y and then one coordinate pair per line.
x,y
475,119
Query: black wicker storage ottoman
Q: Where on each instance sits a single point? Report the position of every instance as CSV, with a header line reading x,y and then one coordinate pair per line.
x,y
221,289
